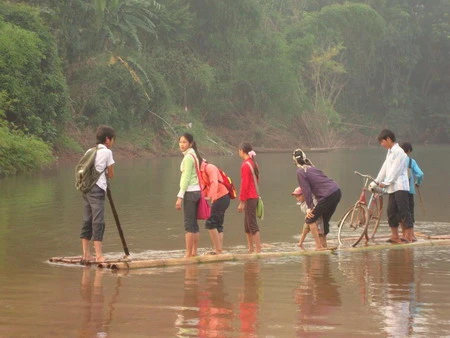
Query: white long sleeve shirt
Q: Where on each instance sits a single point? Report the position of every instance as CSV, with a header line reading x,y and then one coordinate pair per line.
x,y
394,172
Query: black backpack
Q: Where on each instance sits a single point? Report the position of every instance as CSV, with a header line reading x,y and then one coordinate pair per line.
x,y
85,173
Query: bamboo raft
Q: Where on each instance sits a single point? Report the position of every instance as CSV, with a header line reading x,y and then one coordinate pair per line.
x,y
128,263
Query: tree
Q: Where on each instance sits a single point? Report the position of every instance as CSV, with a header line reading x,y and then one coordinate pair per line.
x,y
30,73
119,22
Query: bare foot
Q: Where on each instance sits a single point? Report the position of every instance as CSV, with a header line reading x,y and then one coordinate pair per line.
x,y
100,259
395,240
302,247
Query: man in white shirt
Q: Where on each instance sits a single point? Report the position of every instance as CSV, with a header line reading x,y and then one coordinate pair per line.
x,y
393,176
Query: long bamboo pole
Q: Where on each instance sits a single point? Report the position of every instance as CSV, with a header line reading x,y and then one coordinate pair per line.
x,y
116,218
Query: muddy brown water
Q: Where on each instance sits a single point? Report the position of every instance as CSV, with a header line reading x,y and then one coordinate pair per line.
x,y
386,293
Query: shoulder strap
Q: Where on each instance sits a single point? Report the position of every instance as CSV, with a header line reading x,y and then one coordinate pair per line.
x,y
198,172
409,170
254,178
95,156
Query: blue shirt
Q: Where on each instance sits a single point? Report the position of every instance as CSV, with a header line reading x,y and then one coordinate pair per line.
x,y
415,175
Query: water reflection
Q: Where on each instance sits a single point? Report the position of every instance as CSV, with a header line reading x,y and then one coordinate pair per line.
x,y
401,303
215,311
317,296
93,324
250,299
97,313
363,275
380,293
387,282
187,320
206,312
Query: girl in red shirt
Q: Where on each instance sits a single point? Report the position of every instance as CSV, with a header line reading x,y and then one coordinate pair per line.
x,y
249,197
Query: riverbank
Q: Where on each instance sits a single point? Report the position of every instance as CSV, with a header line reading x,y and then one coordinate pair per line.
x,y
224,141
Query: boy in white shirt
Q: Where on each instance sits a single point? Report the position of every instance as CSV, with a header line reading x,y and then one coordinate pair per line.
x,y
393,176
94,200
304,207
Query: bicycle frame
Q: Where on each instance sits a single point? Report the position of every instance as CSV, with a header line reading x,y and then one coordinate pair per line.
x,y
377,194
360,217
362,196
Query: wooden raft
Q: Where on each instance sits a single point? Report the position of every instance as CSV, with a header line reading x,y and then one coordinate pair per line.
x,y
123,264
128,263
76,260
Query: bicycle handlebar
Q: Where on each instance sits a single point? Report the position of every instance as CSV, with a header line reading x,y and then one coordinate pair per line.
x,y
363,175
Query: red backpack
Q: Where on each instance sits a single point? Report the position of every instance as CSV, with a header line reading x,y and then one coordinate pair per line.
x,y
228,183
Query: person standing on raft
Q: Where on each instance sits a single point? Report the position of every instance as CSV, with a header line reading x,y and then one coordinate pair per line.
x,y
314,183
218,194
248,196
189,193
93,226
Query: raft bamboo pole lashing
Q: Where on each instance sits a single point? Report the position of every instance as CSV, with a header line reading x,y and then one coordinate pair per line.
x,y
377,246
439,237
125,264
207,259
239,257
77,260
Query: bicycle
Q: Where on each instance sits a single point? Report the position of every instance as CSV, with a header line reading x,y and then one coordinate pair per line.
x,y
362,219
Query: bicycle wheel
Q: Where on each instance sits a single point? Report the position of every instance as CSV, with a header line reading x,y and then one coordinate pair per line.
x,y
353,226
376,207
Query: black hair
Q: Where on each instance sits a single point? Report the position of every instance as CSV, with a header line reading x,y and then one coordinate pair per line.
x,y
407,147
246,147
190,139
103,132
385,134
300,158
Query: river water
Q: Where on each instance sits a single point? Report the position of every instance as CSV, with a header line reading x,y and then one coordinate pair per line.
x,y
394,292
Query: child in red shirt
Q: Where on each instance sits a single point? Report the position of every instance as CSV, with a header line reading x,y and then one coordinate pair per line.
x,y
249,197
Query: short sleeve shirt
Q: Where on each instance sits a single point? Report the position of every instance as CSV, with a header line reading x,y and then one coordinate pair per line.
x,y
103,160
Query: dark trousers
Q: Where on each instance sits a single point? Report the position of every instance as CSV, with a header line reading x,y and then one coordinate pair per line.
x,y
250,222
326,209
215,221
398,209
190,207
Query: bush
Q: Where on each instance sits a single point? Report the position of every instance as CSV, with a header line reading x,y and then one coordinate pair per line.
x,y
20,153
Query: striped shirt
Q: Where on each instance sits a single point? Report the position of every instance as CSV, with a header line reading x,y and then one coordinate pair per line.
x,y
394,172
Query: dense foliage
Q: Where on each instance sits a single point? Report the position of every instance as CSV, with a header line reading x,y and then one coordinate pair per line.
x,y
324,71
21,153
31,79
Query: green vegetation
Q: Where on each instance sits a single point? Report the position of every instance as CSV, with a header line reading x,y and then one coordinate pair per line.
x,y
21,153
324,72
